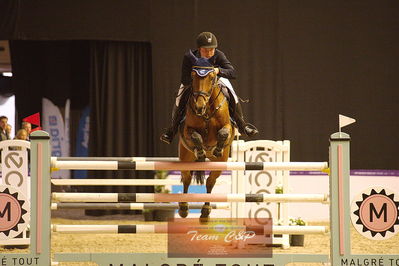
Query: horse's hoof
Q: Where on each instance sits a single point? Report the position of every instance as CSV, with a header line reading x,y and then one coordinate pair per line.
x,y
217,153
183,214
204,220
183,209
200,155
205,211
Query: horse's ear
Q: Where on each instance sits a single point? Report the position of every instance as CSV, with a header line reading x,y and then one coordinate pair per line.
x,y
193,58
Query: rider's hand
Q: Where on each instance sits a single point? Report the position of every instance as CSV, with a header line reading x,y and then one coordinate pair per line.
x,y
216,70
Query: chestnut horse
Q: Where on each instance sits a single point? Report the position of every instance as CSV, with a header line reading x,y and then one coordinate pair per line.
x,y
206,131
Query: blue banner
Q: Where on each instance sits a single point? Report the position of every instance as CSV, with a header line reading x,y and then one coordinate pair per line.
x,y
82,140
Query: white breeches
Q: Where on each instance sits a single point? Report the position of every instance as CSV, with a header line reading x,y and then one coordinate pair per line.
x,y
223,81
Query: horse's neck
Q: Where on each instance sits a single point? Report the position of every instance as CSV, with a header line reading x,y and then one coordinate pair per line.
x,y
217,97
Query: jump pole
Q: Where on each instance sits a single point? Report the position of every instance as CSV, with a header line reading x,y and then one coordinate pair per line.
x,y
126,159
163,229
189,166
179,197
115,182
129,206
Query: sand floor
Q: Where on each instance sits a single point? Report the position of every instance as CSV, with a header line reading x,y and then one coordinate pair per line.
x,y
157,243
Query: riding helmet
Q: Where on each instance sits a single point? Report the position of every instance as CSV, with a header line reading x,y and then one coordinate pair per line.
x,y
207,40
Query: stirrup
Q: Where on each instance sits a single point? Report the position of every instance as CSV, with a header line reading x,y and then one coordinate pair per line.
x,y
167,137
251,128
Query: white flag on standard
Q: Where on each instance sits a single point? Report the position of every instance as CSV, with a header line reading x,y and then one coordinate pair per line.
x,y
344,121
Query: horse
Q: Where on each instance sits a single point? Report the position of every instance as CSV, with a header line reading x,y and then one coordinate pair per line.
x,y
206,132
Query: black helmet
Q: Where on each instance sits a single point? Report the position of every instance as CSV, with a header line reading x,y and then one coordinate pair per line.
x,y
207,40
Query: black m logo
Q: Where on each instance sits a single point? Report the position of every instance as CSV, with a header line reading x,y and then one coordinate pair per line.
x,y
383,210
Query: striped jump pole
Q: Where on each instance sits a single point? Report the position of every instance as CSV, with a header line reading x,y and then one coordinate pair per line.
x,y
122,159
163,229
175,197
130,206
188,166
125,159
115,182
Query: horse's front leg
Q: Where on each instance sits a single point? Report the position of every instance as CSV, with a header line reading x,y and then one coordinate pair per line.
x,y
222,137
210,183
199,151
183,206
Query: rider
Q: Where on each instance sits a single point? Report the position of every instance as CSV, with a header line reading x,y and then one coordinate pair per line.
x,y
207,43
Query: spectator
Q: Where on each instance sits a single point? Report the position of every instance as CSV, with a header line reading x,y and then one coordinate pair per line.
x,y
22,134
8,130
28,127
3,128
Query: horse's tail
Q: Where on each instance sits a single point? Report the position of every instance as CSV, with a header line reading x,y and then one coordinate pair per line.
x,y
199,175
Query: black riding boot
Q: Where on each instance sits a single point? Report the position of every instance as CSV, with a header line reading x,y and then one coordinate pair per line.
x,y
170,132
177,116
243,127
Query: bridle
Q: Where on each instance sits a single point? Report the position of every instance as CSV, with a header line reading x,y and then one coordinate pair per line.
x,y
208,100
204,94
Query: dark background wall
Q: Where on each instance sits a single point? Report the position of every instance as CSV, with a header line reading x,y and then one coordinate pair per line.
x,y
301,63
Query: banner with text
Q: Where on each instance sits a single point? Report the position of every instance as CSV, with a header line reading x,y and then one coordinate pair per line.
x,y
53,123
82,141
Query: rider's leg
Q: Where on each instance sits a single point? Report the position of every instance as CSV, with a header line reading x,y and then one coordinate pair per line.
x,y
177,115
236,111
243,127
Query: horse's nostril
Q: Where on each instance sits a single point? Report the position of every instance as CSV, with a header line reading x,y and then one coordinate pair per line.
x,y
200,110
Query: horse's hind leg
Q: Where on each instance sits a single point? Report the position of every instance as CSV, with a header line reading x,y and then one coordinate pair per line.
x,y
222,136
210,183
198,145
183,206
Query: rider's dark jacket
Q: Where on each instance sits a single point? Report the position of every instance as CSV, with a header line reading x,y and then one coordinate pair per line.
x,y
219,60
